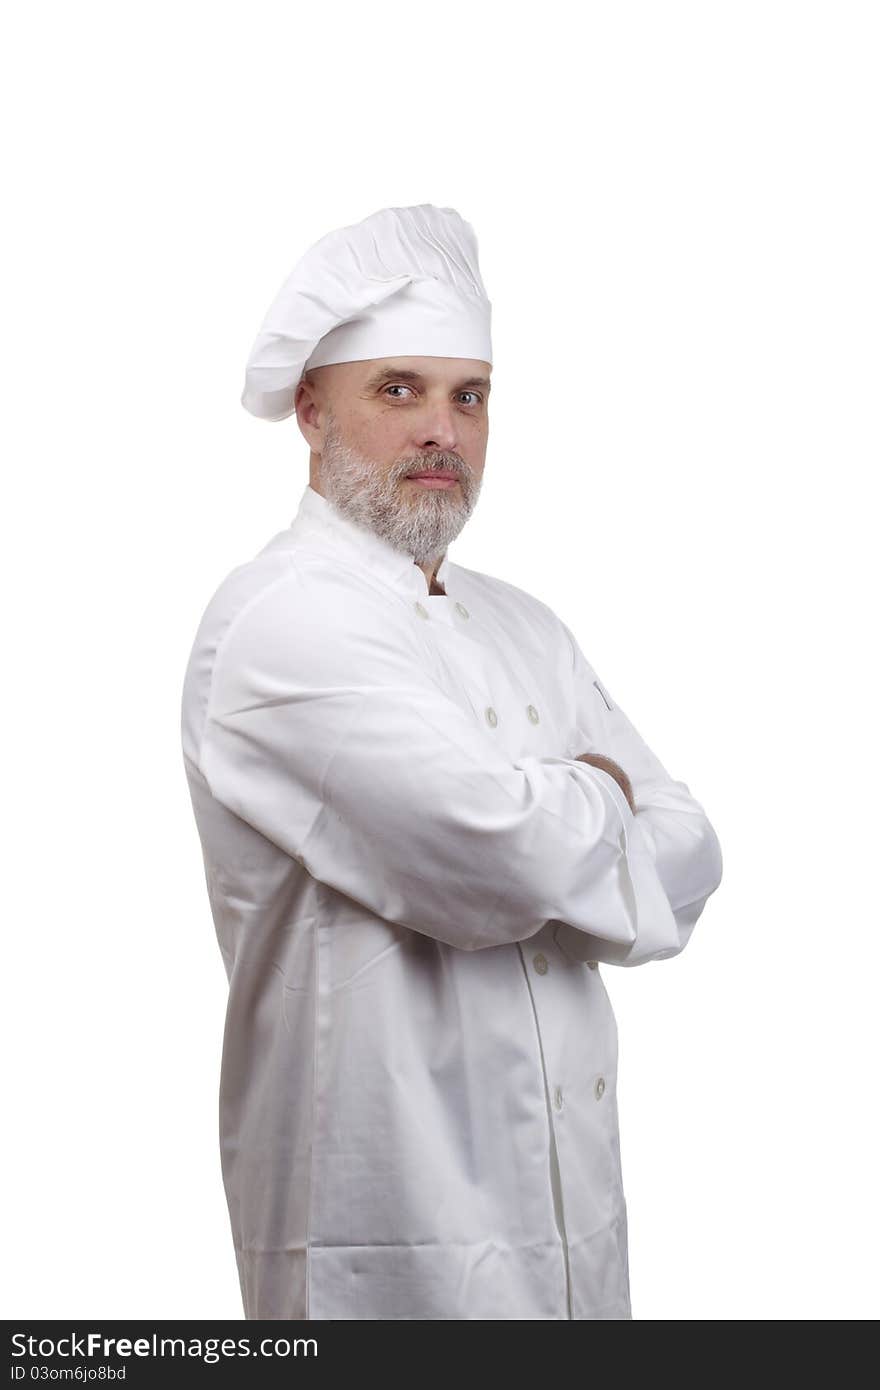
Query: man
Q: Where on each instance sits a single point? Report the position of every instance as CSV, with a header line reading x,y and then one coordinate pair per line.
x,y
425,822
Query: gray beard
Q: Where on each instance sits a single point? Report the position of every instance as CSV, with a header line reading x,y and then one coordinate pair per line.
x,y
422,522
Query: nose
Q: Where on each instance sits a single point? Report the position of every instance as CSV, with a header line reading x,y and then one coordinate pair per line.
x,y
438,428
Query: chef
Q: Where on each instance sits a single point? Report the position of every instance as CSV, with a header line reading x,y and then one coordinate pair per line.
x,y
426,825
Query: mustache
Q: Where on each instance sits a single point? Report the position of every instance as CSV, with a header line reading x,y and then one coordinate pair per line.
x,y
434,463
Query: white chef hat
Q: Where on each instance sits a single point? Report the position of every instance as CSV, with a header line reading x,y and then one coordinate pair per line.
x,y
403,282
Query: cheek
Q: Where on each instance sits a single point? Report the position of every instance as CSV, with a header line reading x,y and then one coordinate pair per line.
x,y
475,446
379,435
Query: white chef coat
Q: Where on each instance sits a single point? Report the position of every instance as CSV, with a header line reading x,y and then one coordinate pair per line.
x,y
412,882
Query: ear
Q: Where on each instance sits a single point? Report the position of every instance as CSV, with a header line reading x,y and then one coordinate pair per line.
x,y
310,411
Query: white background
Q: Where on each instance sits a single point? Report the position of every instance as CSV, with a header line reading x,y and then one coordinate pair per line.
x,y
677,212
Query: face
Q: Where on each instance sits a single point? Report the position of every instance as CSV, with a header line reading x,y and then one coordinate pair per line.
x,y
399,444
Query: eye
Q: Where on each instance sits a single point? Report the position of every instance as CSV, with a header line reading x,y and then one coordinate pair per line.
x,y
471,393
397,386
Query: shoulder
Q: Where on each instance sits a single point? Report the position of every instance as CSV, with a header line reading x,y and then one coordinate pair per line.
x,y
289,588
243,589
295,619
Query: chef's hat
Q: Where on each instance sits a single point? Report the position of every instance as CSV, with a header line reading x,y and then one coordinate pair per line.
x,y
403,282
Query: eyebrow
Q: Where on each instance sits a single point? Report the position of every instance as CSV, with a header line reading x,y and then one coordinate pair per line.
x,y
406,374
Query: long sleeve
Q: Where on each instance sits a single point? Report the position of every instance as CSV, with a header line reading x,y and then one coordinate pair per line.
x,y
670,824
326,730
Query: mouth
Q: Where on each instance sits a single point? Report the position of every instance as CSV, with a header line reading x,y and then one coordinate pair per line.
x,y
438,478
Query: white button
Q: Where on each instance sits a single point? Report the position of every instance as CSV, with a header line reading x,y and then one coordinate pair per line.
x,y
460,608
532,713
421,609
600,1087
557,1098
541,963
491,716
593,964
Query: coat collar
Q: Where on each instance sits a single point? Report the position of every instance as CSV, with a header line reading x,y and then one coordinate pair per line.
x,y
320,519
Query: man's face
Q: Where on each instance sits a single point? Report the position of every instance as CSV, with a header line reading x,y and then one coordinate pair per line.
x,y
375,424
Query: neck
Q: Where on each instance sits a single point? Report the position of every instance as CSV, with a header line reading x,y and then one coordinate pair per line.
x,y
429,570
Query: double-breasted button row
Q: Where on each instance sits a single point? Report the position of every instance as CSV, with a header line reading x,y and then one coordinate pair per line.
x,y
423,612
492,717
491,714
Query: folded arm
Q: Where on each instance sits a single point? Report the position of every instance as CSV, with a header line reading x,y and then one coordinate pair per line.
x,y
669,824
326,731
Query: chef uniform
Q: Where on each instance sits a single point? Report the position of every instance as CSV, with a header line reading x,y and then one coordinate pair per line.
x,y
413,880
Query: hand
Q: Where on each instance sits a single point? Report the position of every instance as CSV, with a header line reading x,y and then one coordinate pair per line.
x,y
616,771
